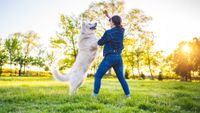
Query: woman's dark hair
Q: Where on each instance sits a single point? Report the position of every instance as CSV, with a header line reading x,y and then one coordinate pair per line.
x,y
117,21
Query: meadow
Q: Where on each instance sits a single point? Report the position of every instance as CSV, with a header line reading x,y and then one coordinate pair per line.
x,y
44,95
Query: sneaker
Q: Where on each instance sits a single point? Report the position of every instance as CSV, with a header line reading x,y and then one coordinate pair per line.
x,y
128,96
94,95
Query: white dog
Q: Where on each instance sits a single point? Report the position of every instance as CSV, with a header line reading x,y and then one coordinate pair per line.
x,y
87,52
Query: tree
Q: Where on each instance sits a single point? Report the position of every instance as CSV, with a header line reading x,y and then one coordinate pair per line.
x,y
151,56
167,67
37,61
12,45
183,60
66,39
20,60
50,58
142,76
139,57
29,42
195,45
160,76
134,22
95,13
129,54
126,74
186,59
3,56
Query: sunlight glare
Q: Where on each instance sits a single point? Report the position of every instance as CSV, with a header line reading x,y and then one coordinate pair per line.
x,y
186,48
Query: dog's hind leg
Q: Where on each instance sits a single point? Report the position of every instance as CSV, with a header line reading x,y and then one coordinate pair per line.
x,y
73,90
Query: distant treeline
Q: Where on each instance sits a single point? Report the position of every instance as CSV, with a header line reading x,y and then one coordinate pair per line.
x,y
15,72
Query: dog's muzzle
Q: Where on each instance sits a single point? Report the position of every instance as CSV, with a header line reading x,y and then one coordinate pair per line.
x,y
93,27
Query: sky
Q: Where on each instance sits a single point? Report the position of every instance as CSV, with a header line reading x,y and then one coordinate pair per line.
x,y
173,20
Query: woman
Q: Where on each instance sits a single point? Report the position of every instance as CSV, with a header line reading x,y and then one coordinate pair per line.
x,y
113,46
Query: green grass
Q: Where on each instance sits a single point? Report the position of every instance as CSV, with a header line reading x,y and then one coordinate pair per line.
x,y
40,94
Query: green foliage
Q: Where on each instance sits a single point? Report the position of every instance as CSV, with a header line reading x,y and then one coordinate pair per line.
x,y
3,56
167,67
50,57
12,46
30,42
37,61
138,51
19,47
127,74
129,54
66,40
142,76
95,13
42,94
160,76
138,43
195,45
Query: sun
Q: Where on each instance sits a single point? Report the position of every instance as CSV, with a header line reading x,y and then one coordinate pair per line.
x,y
186,48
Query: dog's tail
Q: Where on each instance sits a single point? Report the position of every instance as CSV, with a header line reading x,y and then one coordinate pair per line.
x,y
59,76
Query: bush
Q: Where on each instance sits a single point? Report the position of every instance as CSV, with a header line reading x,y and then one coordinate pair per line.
x,y
142,76
160,76
127,74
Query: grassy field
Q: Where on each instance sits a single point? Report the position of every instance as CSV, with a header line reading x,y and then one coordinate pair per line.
x,y
40,94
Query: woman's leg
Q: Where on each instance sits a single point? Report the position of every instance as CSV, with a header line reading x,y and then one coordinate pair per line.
x,y
120,75
103,68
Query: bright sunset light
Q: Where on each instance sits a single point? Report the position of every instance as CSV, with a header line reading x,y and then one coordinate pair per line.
x,y
186,48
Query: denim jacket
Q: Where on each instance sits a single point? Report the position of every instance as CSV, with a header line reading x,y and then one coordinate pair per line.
x,y
112,41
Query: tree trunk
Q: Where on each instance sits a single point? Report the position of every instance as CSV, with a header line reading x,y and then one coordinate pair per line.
x,y
185,76
133,71
150,70
1,68
189,76
149,65
138,66
15,71
20,70
24,69
199,72
74,47
10,69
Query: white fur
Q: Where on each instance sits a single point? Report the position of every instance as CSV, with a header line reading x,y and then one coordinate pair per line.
x,y
87,51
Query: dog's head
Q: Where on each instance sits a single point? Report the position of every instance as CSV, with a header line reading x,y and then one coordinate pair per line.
x,y
88,28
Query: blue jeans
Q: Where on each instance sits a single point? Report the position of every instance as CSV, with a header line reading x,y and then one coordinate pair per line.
x,y
115,61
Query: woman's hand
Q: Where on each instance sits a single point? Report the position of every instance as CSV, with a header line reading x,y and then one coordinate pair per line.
x,y
106,13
